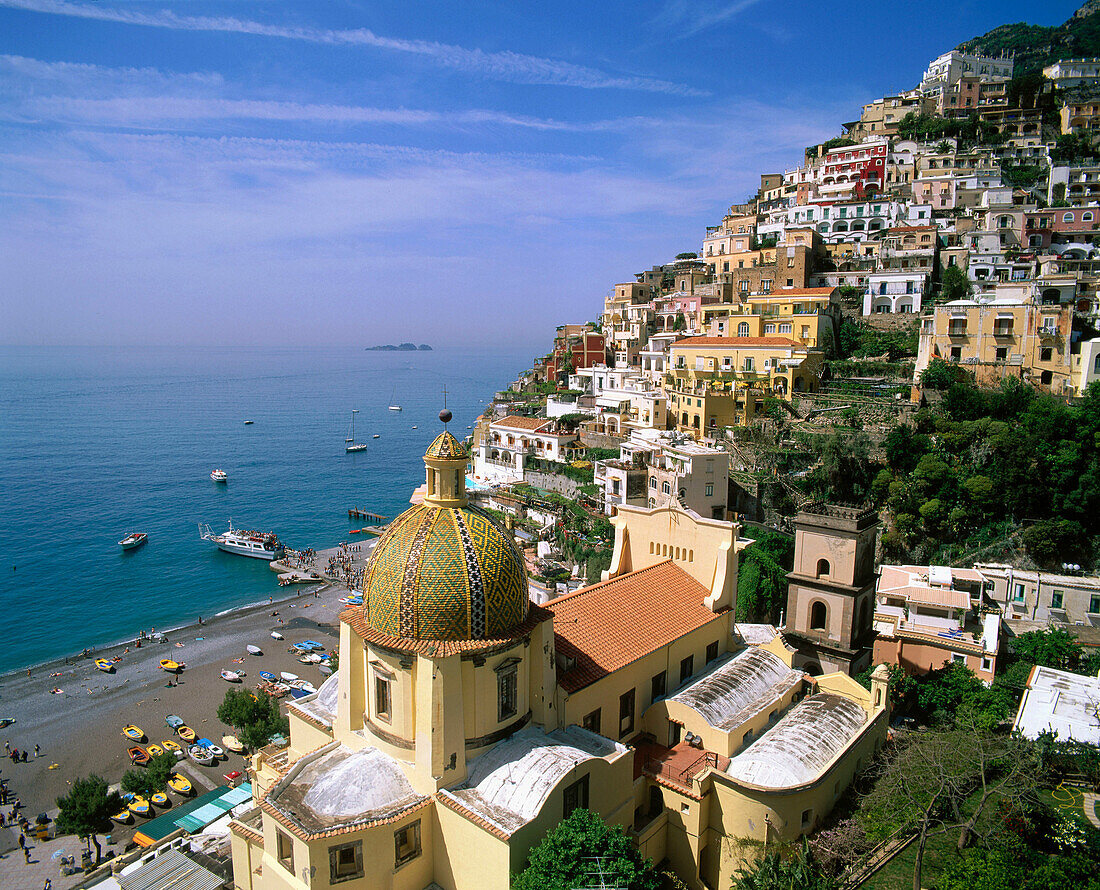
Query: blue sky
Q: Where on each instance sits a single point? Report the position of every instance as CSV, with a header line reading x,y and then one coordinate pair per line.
x,y
306,171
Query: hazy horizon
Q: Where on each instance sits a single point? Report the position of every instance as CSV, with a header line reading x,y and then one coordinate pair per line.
x,y
230,172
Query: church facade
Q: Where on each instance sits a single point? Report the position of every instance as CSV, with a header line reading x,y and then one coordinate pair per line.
x,y
465,722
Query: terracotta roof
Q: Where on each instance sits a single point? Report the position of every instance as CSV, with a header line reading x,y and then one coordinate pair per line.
x,y
933,596
738,342
796,292
356,618
609,625
911,229
522,423
247,833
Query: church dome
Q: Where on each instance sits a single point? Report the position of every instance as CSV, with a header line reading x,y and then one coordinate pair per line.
x,y
444,570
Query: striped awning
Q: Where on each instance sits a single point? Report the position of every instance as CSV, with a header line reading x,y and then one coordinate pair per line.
x,y
171,869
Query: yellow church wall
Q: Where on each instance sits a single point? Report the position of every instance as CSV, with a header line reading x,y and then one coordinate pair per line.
x,y
352,692
638,675
726,742
244,861
480,692
610,793
304,736
468,856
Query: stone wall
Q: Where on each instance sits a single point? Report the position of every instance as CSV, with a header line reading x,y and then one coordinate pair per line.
x,y
891,321
599,440
563,485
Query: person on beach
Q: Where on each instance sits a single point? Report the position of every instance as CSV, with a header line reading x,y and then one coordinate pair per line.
x,y
36,750
26,856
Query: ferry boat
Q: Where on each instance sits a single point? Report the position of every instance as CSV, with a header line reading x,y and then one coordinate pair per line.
x,y
219,475
262,545
133,540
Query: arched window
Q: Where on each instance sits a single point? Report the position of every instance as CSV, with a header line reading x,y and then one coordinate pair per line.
x,y
743,329
1096,365
1067,217
1086,216
653,482
822,567
666,488
819,614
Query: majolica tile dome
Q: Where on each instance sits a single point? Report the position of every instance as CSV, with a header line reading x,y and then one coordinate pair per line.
x,y
444,570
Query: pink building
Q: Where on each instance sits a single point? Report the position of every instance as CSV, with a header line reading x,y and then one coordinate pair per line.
x,y
862,166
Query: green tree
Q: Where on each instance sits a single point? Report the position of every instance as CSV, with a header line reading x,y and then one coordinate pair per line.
x,y
988,869
152,778
255,716
784,868
762,576
955,285
939,374
1051,542
87,809
687,255
567,856
1054,647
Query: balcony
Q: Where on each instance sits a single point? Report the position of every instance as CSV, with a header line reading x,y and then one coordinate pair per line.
x,y
1049,332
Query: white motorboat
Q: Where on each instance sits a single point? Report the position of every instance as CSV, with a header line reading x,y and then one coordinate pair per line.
x,y
219,475
262,545
133,540
231,677
289,677
254,650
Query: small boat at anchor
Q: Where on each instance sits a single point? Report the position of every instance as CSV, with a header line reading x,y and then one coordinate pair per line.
x,y
254,650
138,755
179,784
231,676
133,732
133,540
249,422
219,476
393,401
108,667
350,445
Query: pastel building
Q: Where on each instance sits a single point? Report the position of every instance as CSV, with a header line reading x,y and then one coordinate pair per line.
x,y
512,441
465,722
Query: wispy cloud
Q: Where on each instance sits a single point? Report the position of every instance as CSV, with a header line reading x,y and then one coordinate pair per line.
x,y
505,66
685,18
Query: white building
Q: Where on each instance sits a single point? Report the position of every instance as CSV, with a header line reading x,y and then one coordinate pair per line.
x,y
654,467
893,291
1073,73
1061,702
946,70
512,441
625,398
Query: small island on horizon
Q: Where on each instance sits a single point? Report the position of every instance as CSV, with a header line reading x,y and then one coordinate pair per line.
x,y
401,347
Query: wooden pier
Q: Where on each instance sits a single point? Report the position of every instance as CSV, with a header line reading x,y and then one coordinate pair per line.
x,y
364,515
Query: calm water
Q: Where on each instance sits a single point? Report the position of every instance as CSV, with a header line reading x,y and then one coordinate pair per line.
x,y
95,443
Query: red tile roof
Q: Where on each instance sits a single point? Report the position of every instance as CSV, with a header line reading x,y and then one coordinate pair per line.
x,y
609,625
522,423
737,342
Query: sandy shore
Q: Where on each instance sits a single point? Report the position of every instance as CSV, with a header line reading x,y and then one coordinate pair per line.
x,y
79,729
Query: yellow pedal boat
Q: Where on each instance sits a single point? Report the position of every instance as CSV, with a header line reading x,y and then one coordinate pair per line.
x,y
233,744
179,784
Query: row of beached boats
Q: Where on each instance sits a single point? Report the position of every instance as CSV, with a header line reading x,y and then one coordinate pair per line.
x,y
137,805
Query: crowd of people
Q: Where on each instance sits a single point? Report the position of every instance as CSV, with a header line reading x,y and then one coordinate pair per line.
x,y
342,566
300,559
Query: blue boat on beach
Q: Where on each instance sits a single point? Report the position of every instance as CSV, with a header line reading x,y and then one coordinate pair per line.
x,y
267,675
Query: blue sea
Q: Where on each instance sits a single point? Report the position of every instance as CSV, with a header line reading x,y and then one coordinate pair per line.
x,y
98,442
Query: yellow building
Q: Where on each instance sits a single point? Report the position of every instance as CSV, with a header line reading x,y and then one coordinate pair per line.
x,y
1005,336
810,315
714,382
465,722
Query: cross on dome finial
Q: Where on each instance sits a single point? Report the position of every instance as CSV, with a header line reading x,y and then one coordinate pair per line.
x,y
445,415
